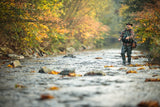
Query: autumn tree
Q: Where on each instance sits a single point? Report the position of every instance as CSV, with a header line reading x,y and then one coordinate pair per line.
x,y
145,16
48,25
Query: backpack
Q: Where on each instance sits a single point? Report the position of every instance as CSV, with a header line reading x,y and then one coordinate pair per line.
x,y
134,44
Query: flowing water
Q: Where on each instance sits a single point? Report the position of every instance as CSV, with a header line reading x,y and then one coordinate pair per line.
x,y
116,89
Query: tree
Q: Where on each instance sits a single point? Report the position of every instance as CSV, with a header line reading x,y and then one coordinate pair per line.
x,y
145,15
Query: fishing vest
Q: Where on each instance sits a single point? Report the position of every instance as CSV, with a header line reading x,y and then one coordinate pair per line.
x,y
125,34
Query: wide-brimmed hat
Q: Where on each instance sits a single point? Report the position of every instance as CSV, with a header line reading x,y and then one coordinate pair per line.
x,y
129,24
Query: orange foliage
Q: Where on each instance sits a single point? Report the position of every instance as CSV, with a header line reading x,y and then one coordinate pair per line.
x,y
87,29
148,26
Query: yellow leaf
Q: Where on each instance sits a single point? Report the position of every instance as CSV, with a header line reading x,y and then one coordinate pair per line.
x,y
131,71
11,66
136,65
54,72
108,66
141,68
53,88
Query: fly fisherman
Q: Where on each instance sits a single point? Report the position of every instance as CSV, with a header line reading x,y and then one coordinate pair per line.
x,y
127,38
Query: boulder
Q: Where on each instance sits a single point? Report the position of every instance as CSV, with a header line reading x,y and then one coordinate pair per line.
x,y
44,70
67,71
83,47
16,63
95,73
14,56
70,50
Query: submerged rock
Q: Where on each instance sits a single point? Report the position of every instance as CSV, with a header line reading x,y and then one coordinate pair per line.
x,y
67,71
95,73
69,55
44,70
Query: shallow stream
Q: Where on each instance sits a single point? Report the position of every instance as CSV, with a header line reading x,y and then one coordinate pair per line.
x,y
116,89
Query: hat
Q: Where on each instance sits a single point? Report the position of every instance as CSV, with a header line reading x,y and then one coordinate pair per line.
x,y
129,24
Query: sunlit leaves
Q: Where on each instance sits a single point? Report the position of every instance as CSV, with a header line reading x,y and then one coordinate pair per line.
x,y
123,9
51,23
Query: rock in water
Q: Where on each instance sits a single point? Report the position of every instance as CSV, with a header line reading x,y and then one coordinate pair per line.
x,y
67,71
44,70
95,73
69,55
14,56
70,50
16,63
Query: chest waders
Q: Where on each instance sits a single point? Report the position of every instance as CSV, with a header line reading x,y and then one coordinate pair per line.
x,y
126,47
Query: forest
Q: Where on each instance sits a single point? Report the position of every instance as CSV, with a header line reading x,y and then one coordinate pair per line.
x,y
51,26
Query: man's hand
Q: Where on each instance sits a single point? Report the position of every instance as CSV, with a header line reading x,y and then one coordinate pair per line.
x,y
119,39
127,38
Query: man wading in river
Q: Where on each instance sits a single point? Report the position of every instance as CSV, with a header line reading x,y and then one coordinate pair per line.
x,y
127,38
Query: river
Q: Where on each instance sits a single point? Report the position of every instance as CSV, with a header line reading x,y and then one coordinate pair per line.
x,y
24,86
